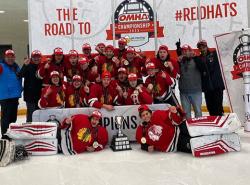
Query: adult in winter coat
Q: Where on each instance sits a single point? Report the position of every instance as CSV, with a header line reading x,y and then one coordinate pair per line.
x,y
10,90
32,84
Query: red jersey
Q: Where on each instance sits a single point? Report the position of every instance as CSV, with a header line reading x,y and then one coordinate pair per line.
x,y
137,66
75,97
100,95
161,67
120,53
44,74
54,99
80,134
71,70
161,85
138,98
105,64
162,132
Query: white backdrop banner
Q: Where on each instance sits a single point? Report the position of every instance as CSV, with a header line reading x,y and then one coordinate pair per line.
x,y
70,23
234,55
130,114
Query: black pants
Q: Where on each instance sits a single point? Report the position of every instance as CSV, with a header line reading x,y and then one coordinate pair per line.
x,y
183,144
31,107
8,113
214,101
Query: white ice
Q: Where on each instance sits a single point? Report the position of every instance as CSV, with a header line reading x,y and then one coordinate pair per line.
x,y
132,168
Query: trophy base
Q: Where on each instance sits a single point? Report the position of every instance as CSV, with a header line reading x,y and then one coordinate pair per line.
x,y
120,143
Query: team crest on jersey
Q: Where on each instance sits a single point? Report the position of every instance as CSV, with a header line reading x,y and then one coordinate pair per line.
x,y
84,135
155,132
107,67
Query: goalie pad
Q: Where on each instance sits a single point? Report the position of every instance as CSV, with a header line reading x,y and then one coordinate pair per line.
x,y
208,125
39,146
215,144
32,130
7,152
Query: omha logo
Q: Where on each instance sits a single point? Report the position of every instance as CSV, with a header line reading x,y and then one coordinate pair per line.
x,y
241,57
134,20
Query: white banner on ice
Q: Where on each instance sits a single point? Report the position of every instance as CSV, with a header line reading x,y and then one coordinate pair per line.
x,y
234,54
130,114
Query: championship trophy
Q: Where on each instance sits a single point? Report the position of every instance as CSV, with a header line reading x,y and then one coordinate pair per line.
x,y
120,141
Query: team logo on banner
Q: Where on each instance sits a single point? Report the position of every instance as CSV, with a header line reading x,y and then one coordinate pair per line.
x,y
134,20
241,57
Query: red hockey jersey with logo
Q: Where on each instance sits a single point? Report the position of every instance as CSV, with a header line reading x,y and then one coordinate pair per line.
x,y
80,134
161,85
100,95
55,99
142,97
75,97
162,132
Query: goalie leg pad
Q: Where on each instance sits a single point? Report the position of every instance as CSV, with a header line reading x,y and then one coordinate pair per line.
x,y
39,146
215,144
7,152
32,130
208,125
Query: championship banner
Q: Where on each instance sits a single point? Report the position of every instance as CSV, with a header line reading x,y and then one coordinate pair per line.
x,y
129,113
234,54
70,23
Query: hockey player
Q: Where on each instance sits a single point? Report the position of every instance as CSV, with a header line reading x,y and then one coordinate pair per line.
x,y
109,63
163,62
159,85
71,66
82,133
164,130
121,51
76,93
88,74
104,95
53,95
136,94
133,63
56,64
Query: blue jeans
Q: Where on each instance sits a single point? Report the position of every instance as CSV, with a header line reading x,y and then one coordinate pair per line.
x,y
194,99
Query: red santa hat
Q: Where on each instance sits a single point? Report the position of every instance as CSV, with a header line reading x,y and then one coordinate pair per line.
x,y
106,74
150,65
86,46
77,78
163,47
96,114
58,51
9,52
54,74
73,53
36,53
132,77
201,43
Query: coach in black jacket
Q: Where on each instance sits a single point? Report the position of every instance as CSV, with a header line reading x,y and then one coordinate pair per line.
x,y
32,84
212,82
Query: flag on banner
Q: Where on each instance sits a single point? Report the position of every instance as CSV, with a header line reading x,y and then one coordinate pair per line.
x,y
234,54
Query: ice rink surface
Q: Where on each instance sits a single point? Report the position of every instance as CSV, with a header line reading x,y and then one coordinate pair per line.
x,y
133,167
